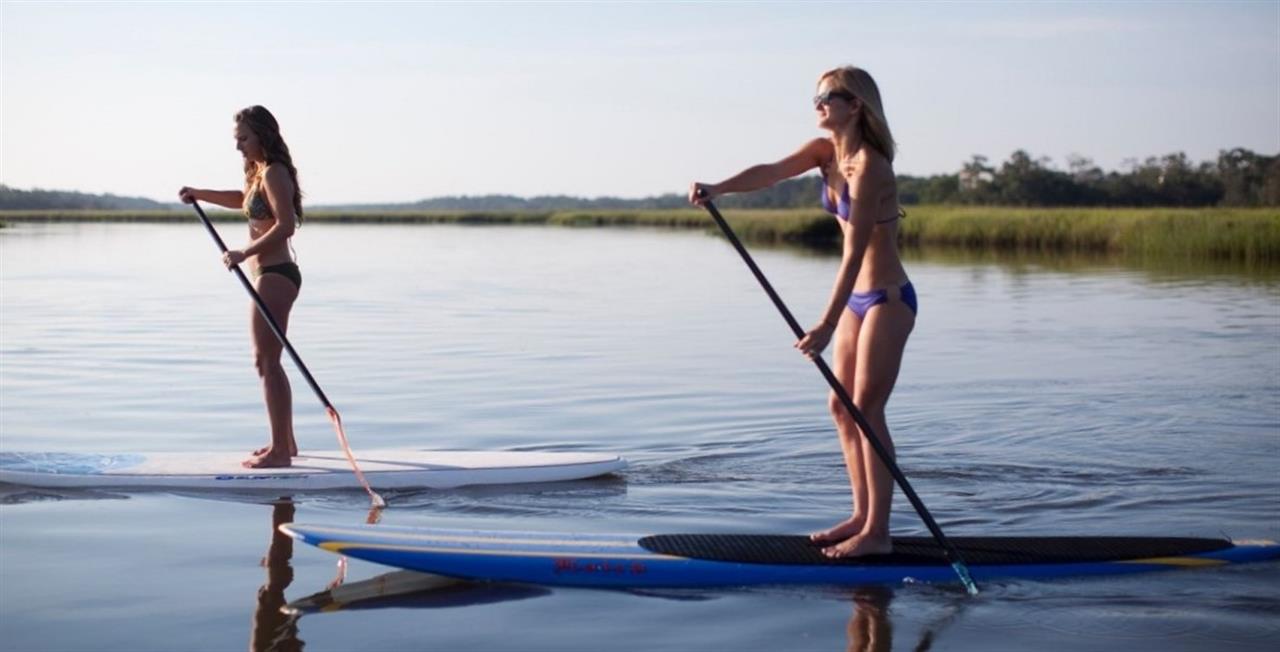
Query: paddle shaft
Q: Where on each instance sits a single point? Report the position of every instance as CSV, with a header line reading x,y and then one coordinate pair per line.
x,y
264,311
953,555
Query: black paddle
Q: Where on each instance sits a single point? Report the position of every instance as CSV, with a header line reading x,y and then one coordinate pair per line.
x,y
334,417
952,554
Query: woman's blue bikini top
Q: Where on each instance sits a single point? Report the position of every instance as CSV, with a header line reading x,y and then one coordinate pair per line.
x,y
841,209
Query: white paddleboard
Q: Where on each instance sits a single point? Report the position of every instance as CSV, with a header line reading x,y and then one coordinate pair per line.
x,y
314,470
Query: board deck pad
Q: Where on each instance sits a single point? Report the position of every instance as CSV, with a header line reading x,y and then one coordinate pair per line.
x,y
925,551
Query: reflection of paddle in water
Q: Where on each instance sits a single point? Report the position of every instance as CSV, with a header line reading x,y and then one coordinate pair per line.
x,y
956,605
272,628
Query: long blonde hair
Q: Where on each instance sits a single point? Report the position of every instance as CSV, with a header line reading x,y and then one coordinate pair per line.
x,y
263,125
872,125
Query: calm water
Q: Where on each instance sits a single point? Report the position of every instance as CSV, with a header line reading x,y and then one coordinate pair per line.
x,y
1037,397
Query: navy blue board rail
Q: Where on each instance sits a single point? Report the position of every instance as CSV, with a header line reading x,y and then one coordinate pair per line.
x,y
692,560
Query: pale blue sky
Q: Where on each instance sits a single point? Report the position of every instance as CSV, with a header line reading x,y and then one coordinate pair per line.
x,y
400,101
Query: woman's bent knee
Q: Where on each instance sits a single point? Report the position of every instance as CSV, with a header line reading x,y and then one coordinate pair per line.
x,y
870,402
267,365
840,414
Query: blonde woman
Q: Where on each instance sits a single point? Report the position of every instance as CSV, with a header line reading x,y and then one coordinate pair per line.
x,y
272,202
872,308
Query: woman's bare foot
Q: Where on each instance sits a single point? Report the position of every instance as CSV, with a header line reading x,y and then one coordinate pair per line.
x,y
841,531
268,460
860,545
293,450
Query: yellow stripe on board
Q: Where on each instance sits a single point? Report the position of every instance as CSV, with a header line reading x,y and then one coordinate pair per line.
x,y
1186,562
340,546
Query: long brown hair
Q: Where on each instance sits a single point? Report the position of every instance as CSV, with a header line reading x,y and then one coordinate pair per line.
x,y
263,125
872,124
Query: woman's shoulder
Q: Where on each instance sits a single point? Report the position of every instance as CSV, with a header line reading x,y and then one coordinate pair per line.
x,y
867,164
276,174
822,149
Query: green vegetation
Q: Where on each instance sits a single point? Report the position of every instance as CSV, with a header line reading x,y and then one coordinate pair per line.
x,y
1247,235
808,226
1244,235
114,215
37,199
1238,177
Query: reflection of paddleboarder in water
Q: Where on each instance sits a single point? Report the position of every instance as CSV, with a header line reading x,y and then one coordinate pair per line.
x,y
272,628
870,629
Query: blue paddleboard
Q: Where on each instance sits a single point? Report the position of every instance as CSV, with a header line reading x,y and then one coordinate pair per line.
x,y
692,560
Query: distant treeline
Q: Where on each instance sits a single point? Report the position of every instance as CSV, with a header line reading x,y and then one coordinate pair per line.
x,y
32,200
1238,178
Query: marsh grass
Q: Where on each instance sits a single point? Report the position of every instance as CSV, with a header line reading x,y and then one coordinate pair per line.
x,y
1245,235
1250,236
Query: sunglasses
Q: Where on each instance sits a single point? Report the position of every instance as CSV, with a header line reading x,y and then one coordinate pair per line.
x,y
825,98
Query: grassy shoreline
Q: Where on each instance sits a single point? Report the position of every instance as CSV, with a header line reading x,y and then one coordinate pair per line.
x,y
1245,235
